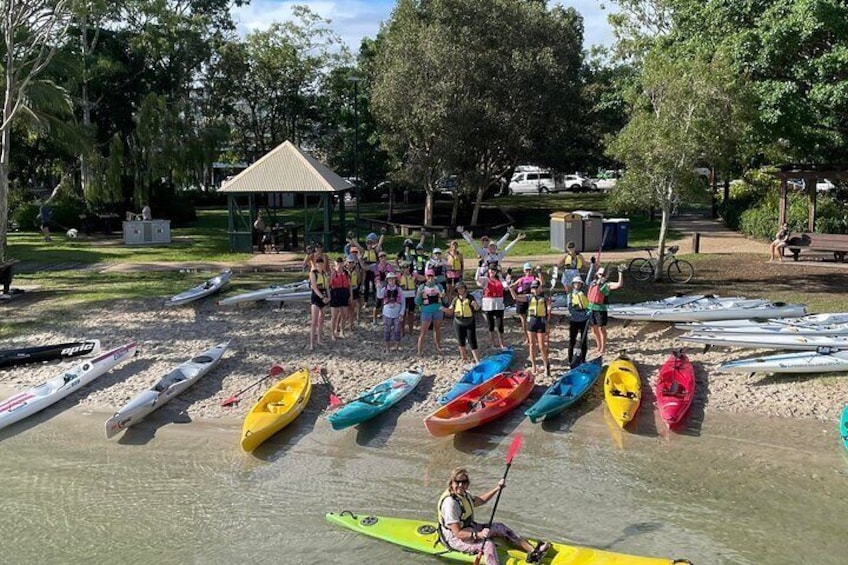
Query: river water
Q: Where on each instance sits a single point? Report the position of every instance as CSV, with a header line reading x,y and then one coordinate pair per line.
x,y
737,489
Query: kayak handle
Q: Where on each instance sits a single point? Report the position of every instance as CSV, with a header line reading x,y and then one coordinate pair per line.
x,y
352,515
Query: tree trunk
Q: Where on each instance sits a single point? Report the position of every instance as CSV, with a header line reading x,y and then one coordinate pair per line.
x,y
428,207
666,216
478,202
455,209
5,147
85,167
391,202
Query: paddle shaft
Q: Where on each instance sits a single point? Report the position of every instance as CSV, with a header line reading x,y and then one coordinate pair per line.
x,y
492,518
234,398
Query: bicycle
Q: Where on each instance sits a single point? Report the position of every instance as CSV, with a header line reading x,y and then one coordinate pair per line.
x,y
678,270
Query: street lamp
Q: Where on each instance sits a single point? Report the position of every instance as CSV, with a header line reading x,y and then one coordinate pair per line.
x,y
355,80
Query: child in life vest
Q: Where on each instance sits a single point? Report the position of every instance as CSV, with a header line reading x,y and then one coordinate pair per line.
x,y
339,298
462,308
391,296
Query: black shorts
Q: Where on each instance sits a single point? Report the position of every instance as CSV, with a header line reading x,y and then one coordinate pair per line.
x,y
339,297
537,325
410,304
466,334
317,300
355,293
521,308
599,318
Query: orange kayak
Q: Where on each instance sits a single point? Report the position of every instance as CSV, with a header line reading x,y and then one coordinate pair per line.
x,y
482,404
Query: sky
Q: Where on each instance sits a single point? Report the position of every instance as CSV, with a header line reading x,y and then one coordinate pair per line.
x,y
354,19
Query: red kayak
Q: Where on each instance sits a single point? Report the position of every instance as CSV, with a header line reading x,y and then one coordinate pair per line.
x,y
675,388
482,404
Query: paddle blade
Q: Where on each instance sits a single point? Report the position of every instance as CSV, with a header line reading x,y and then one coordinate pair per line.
x,y
230,401
513,449
275,371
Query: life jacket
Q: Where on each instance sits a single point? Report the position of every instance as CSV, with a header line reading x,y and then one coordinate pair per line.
x,y
320,279
340,279
354,278
453,262
370,255
494,288
538,307
391,295
578,300
431,294
437,266
466,502
595,294
407,282
573,262
462,307
524,284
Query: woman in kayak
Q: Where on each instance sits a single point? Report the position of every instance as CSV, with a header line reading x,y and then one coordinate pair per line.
x,y
538,312
462,308
339,298
319,284
493,303
459,531
429,297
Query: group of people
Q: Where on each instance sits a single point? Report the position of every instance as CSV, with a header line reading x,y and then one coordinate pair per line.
x,y
364,277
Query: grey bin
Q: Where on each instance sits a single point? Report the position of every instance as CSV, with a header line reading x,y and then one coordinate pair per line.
x,y
574,231
558,230
593,229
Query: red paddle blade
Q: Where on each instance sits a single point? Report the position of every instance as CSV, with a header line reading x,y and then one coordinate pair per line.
x,y
230,401
335,401
276,370
513,449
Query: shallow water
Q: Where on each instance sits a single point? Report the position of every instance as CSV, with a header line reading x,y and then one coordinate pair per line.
x,y
737,490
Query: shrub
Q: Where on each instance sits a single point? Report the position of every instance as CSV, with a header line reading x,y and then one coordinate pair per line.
x,y
24,215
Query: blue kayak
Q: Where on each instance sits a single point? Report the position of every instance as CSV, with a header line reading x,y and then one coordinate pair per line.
x,y
843,427
566,390
376,400
481,372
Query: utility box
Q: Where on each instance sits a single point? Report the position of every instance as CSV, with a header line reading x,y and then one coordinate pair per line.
x,y
143,232
558,230
593,230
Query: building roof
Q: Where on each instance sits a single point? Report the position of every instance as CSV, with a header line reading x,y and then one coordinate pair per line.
x,y
286,169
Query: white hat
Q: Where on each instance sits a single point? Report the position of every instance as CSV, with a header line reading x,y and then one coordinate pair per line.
x,y
436,250
391,275
577,279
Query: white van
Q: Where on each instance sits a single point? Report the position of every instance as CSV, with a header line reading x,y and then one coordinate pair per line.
x,y
532,182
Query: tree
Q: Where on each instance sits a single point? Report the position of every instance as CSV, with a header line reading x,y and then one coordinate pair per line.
x,y
673,124
31,31
458,91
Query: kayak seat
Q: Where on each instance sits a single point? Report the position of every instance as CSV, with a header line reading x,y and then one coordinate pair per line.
x,y
616,392
276,407
631,395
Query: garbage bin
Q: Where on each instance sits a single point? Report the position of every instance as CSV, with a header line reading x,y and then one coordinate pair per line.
x,y
593,229
574,230
558,230
622,232
610,234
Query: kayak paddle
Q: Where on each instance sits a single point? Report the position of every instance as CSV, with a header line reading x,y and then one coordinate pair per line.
x,y
234,399
335,401
513,449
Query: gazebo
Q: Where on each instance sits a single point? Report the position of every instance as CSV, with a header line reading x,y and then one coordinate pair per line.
x,y
284,171
811,173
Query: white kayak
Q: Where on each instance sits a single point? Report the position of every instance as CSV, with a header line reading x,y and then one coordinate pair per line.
x,y
829,323
290,296
211,286
263,293
169,386
742,309
806,362
769,341
670,302
39,397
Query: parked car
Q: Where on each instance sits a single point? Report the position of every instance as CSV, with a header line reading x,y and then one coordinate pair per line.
x,y
578,183
822,185
534,182
447,185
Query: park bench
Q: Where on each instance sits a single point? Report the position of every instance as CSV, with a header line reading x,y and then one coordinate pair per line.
x,y
6,274
833,242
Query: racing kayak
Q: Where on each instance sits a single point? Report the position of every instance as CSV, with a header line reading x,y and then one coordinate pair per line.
x,y
290,296
480,405
211,286
21,405
843,427
770,341
24,355
376,400
670,302
622,390
566,390
835,322
480,373
824,361
169,386
263,293
741,309
675,388
277,408
422,536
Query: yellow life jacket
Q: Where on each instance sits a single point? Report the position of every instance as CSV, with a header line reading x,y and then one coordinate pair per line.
x,y
354,278
573,261
538,307
407,282
453,262
371,255
462,308
466,502
579,300
320,280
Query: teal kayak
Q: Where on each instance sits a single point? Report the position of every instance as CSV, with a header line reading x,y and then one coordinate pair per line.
x,y
566,390
843,427
481,372
375,400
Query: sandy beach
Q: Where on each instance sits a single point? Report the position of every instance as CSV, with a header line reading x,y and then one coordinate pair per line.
x,y
261,336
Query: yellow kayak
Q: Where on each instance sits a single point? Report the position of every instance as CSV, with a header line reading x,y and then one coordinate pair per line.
x,y
421,536
622,390
277,408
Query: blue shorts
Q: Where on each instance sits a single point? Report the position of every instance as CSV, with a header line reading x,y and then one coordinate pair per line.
x,y
432,316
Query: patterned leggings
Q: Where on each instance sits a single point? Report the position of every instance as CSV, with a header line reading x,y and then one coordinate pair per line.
x,y
391,329
490,552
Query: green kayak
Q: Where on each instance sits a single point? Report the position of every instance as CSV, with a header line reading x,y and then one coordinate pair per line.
x,y
421,536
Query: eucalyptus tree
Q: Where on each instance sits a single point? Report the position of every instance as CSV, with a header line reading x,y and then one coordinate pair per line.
x,y
31,31
473,88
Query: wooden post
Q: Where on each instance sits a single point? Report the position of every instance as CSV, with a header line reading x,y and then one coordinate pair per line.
x,y
811,194
328,221
696,242
781,214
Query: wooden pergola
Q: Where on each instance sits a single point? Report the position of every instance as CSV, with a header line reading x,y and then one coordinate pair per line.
x,y
811,173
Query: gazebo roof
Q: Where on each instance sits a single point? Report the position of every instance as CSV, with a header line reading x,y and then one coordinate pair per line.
x,y
287,169
834,171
